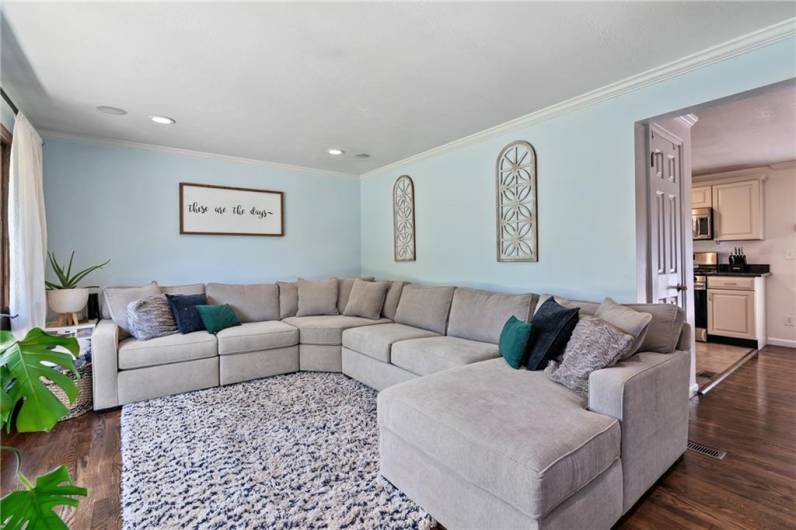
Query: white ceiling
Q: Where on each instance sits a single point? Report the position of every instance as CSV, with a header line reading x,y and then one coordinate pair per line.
x,y
285,81
752,131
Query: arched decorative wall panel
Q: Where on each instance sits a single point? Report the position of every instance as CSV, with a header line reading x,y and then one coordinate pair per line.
x,y
515,179
403,209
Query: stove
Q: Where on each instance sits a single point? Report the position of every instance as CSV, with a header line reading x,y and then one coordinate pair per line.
x,y
704,262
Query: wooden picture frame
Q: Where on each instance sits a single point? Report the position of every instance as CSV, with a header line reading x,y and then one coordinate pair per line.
x,y
207,209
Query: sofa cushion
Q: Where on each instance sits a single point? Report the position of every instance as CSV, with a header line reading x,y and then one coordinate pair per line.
x,y
183,307
425,307
392,299
664,329
327,329
481,315
193,288
288,299
552,326
514,340
252,303
433,354
118,298
376,341
344,286
512,433
165,350
595,344
317,297
218,317
628,320
257,336
150,317
366,299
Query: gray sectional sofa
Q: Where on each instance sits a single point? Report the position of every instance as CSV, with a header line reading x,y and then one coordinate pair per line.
x,y
476,443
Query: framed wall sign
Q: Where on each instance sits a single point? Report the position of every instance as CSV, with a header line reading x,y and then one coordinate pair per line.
x,y
222,210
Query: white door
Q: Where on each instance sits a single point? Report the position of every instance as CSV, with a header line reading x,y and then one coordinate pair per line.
x,y
666,220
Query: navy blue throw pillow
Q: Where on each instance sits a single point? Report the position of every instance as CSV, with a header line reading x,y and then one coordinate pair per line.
x,y
552,328
183,307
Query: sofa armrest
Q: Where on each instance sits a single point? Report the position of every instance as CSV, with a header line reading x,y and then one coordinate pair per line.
x,y
649,395
105,364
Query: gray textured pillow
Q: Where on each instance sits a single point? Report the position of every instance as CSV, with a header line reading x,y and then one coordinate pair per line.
x,y
595,344
288,299
150,317
366,299
118,298
317,298
392,299
630,321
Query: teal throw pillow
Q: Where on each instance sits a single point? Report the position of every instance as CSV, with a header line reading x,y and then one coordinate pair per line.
x,y
514,340
217,317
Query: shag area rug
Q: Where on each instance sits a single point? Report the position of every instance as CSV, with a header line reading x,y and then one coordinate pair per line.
x,y
292,451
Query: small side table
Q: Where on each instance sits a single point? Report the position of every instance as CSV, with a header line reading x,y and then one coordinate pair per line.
x,y
84,402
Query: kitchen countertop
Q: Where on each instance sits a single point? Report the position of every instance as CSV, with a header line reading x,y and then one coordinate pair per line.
x,y
752,271
742,274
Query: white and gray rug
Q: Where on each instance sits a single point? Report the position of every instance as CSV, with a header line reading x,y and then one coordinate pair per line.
x,y
293,451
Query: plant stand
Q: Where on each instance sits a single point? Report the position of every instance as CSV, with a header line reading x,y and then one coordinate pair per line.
x,y
68,319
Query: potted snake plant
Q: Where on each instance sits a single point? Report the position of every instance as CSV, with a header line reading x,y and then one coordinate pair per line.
x,y
63,294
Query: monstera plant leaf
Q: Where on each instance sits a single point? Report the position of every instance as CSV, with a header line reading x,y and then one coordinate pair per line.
x,y
32,508
23,365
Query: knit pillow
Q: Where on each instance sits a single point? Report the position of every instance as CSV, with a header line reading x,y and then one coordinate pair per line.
x,y
150,317
595,344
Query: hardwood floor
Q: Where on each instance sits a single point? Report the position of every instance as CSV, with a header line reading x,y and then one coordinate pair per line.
x,y
712,359
751,415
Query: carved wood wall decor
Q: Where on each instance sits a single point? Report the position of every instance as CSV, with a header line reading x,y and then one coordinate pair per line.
x,y
403,209
515,179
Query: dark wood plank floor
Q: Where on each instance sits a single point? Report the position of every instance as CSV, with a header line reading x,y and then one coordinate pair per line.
x,y
751,415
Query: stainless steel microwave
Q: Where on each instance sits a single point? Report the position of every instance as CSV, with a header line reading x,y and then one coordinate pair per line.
x,y
702,223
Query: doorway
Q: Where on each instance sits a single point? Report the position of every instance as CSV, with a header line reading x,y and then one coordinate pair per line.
x,y
737,193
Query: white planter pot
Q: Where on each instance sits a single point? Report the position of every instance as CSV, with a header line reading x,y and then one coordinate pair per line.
x,y
67,300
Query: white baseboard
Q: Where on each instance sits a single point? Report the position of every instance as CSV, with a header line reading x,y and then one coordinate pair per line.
x,y
788,343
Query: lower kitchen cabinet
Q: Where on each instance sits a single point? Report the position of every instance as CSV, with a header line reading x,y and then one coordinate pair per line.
x,y
736,308
731,313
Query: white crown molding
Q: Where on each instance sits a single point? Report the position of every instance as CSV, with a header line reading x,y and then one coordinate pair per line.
x,y
783,165
714,54
46,133
689,120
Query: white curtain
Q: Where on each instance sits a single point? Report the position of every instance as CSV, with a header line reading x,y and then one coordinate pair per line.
x,y
27,228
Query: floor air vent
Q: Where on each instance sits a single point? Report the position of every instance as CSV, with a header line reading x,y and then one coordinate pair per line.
x,y
697,447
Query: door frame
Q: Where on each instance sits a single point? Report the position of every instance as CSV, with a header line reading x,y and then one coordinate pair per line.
x,y
677,127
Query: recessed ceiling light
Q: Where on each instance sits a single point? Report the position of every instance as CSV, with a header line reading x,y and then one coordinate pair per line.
x,y
362,155
107,109
163,120
335,151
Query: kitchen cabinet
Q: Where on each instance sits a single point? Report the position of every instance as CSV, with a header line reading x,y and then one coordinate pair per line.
x,y
731,313
738,210
736,308
702,197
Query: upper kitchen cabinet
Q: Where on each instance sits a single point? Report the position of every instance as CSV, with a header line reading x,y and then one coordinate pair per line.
x,y
738,210
701,197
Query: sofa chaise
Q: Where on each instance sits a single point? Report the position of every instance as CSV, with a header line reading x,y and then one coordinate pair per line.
x,y
476,443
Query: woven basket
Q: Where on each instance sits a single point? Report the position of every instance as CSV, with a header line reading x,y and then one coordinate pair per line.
x,y
84,401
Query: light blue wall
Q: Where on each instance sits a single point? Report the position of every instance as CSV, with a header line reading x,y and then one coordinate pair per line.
x,y
586,181
107,201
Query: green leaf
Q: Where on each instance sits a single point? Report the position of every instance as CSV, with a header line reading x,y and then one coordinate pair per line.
x,y
59,272
69,268
32,508
82,274
23,366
